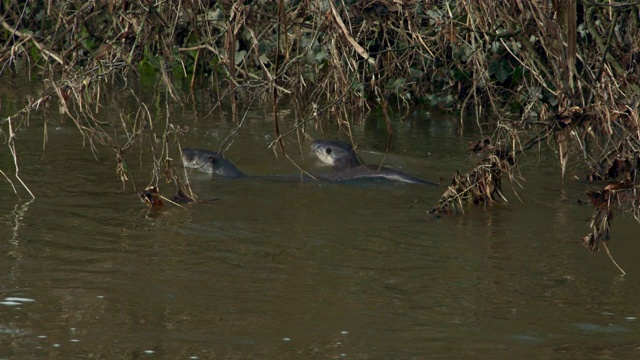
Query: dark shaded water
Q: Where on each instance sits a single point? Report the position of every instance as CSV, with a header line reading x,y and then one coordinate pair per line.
x,y
288,270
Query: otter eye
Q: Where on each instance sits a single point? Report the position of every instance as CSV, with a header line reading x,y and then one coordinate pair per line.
x,y
328,151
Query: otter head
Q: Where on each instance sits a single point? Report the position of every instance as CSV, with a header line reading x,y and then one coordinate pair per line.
x,y
336,153
210,162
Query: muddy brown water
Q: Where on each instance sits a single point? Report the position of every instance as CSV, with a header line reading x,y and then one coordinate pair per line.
x,y
289,270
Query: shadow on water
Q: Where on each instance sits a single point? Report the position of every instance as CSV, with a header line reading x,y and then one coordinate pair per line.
x,y
293,270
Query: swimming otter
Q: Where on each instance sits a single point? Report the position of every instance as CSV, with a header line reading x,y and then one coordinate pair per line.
x,y
347,165
214,163
210,162
341,156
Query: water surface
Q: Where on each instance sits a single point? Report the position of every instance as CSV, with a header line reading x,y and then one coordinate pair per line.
x,y
290,270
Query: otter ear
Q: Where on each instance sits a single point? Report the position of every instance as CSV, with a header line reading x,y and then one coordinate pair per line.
x,y
212,158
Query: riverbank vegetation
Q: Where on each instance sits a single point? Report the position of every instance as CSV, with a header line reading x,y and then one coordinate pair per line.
x,y
563,74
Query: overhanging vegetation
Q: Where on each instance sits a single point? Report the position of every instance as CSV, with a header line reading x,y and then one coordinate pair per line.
x,y
562,73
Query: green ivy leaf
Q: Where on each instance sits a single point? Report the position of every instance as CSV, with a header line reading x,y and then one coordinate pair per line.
x,y
500,69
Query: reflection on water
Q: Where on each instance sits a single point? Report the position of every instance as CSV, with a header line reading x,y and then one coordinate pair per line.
x,y
288,270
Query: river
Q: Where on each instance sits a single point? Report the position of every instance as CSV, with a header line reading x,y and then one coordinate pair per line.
x,y
293,270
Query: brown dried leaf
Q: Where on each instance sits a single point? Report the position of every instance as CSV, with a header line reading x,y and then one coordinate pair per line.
x,y
151,197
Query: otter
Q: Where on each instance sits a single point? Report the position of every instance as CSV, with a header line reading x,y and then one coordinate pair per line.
x,y
214,163
210,162
348,166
